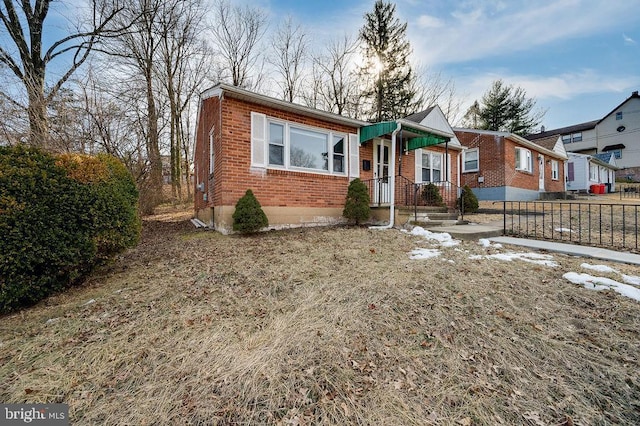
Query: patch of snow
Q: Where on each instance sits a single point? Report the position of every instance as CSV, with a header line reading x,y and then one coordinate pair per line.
x,y
90,302
601,283
443,238
537,258
423,253
598,268
476,257
631,279
486,243
561,230
52,320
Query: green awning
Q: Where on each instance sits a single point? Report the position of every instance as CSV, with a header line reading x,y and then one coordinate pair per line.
x,y
417,138
425,141
378,129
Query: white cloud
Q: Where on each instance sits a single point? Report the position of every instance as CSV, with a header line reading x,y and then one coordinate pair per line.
x,y
427,21
628,40
492,29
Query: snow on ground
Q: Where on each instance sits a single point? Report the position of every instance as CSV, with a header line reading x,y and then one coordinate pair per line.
x,y
561,230
537,258
601,283
598,268
486,243
423,253
442,238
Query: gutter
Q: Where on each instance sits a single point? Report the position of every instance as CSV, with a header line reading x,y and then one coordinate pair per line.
x,y
392,181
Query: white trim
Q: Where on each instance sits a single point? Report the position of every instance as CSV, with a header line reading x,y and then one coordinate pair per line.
x,y
555,170
523,155
211,151
287,127
259,147
354,156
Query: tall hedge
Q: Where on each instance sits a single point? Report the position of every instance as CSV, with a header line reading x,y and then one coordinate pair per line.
x,y
59,216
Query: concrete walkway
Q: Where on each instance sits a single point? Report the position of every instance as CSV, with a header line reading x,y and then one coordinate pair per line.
x,y
493,232
572,249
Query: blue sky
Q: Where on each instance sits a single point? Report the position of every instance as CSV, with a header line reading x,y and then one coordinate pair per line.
x,y
578,58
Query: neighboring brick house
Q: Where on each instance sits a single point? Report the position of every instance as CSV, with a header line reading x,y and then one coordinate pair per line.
x,y
616,132
298,161
505,166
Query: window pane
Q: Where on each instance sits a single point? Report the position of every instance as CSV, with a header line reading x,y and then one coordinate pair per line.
x,y
276,155
518,160
437,161
276,132
338,145
471,165
308,149
426,176
436,175
426,160
338,163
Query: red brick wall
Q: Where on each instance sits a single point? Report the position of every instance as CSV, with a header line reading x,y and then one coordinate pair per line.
x,y
498,165
233,173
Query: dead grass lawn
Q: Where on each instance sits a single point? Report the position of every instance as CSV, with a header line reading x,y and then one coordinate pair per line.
x,y
325,326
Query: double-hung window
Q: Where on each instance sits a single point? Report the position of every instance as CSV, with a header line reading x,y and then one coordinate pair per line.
x,y
524,160
470,161
431,166
554,170
294,147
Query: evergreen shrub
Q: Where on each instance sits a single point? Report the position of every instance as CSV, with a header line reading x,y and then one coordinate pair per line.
x,y
431,195
356,207
468,200
248,216
59,216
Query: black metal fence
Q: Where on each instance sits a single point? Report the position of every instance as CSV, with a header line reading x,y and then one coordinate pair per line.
x,y
629,190
601,225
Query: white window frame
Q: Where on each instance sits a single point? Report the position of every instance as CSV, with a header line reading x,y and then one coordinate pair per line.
x,y
555,170
464,160
287,126
431,155
524,160
617,153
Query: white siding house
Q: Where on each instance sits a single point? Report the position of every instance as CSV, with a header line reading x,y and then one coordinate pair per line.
x,y
585,170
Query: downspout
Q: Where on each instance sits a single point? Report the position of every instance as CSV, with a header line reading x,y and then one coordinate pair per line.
x,y
392,182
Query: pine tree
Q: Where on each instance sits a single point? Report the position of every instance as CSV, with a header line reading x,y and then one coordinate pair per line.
x,y
505,109
249,216
387,75
356,207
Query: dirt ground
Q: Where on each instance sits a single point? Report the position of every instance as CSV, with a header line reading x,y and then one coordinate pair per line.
x,y
327,326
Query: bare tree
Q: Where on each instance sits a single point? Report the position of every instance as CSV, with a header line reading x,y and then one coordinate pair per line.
x,y
289,53
182,74
433,89
28,59
340,89
236,31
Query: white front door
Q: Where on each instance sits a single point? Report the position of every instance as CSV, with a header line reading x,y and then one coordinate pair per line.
x,y
541,171
381,158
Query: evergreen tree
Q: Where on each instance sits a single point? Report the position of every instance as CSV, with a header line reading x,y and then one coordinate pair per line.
x,y
356,207
249,216
505,108
390,89
468,200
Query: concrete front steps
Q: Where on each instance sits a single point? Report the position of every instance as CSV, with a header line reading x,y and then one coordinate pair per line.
x,y
428,216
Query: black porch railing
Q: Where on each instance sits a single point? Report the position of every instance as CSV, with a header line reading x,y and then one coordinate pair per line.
x,y
601,225
409,194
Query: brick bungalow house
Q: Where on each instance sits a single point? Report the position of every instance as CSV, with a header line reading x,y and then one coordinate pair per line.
x,y
505,166
298,161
